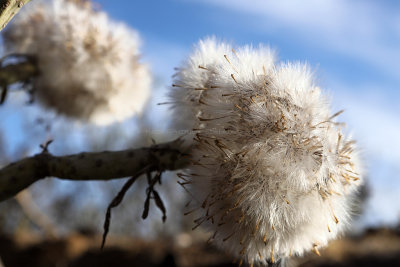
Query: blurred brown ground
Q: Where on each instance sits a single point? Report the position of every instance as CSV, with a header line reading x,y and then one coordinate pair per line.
x,y
376,247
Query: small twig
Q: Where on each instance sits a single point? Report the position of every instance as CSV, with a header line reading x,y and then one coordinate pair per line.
x,y
116,201
120,196
156,196
151,193
3,93
146,207
45,146
160,205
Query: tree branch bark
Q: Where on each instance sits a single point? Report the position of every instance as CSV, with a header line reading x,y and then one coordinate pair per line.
x,y
18,72
8,9
91,166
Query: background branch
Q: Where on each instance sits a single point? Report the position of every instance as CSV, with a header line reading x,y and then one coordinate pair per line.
x,y
18,72
8,9
35,215
91,166
22,71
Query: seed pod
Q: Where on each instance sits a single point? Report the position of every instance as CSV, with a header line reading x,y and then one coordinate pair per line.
x,y
89,66
272,173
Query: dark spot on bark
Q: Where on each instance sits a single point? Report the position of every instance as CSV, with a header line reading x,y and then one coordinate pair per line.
x,y
73,170
13,179
99,163
61,174
21,167
173,157
142,162
6,4
162,166
120,172
53,167
81,156
131,154
40,171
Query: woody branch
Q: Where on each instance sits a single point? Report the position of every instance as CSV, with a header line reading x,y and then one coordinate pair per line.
x,y
105,165
8,9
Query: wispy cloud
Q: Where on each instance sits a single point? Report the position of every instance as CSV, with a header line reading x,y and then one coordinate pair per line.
x,y
365,30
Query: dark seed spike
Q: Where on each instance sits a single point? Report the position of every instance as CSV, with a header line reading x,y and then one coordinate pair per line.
x,y
146,206
3,94
148,176
159,179
116,201
160,204
154,180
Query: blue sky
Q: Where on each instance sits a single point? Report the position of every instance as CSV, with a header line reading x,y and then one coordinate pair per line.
x,y
353,46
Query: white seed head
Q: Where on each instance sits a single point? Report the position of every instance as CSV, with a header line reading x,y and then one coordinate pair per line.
x,y
88,64
272,174
195,76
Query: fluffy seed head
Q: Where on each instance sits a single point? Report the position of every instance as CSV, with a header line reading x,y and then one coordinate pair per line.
x,y
272,174
88,64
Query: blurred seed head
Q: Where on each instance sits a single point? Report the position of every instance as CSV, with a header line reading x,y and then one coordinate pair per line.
x,y
89,65
272,173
